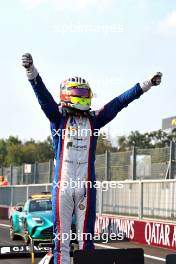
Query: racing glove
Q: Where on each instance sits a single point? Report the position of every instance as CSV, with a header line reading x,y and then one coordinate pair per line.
x,y
27,63
153,81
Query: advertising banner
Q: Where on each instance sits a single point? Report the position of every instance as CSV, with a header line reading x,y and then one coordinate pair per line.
x,y
148,232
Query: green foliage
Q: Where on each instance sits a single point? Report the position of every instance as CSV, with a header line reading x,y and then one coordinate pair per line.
x,y
104,144
14,152
3,151
154,139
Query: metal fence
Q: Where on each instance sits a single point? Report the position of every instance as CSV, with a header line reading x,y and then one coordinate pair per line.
x,y
154,199
138,164
143,199
11,195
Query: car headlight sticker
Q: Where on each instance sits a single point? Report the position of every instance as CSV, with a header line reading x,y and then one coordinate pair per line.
x,y
38,220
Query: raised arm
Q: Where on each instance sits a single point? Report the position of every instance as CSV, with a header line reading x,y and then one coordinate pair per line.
x,y
45,99
110,110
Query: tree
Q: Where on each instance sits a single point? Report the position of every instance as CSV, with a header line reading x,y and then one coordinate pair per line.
x,y
3,151
14,152
45,150
14,155
104,144
154,139
13,141
29,153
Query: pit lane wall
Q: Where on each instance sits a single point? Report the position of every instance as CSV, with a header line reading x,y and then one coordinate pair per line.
x,y
147,232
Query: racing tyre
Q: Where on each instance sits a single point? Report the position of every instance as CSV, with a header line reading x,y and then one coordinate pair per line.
x,y
12,234
26,235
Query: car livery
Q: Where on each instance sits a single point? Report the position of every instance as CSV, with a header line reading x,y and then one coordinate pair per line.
x,y
34,220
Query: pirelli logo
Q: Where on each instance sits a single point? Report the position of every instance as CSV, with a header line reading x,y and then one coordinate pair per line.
x,y
174,122
169,123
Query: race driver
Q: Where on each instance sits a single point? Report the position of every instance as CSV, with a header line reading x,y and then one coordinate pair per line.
x,y
73,124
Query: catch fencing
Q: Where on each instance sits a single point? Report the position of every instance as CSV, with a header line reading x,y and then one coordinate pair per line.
x,y
155,199
138,164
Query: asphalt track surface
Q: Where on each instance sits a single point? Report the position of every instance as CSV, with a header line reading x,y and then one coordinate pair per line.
x,y
152,255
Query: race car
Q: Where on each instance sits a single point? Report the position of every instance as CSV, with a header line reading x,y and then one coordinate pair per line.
x,y
34,220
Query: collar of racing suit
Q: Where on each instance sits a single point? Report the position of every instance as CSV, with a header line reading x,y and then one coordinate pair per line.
x,y
76,112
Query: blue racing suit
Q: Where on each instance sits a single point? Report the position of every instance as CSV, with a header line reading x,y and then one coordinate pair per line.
x,y
74,174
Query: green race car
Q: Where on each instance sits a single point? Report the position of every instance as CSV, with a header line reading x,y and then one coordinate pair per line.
x,y
34,220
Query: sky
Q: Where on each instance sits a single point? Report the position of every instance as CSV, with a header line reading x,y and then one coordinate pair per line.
x,y
113,44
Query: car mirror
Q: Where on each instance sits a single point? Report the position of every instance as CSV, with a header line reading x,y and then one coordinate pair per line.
x,y
19,208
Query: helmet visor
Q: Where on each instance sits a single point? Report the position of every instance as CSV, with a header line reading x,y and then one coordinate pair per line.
x,y
80,92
